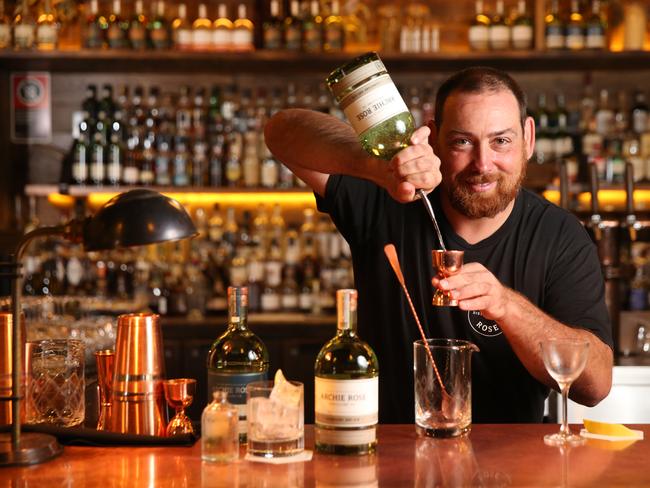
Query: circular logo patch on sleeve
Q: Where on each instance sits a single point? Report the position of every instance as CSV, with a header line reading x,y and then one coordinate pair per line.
x,y
483,326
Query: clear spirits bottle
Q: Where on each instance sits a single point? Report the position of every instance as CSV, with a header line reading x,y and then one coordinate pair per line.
x,y
95,27
575,29
202,30
24,28
479,38
499,32
222,30
346,387
237,357
272,28
47,29
380,117
596,28
5,27
522,28
138,27
242,31
182,30
219,430
333,31
554,27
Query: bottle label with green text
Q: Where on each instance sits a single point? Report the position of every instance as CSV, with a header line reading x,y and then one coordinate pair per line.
x,y
373,103
235,385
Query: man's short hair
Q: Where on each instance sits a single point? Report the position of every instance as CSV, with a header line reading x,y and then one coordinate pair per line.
x,y
479,79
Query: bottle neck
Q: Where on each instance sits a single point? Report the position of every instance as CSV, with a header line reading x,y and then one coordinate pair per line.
x,y
237,313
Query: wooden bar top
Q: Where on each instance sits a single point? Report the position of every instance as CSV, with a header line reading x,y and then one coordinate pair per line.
x,y
491,456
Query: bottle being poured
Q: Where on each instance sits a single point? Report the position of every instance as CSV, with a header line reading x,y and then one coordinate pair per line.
x,y
372,103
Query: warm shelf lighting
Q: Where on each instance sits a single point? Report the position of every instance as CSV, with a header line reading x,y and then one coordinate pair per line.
x,y
608,200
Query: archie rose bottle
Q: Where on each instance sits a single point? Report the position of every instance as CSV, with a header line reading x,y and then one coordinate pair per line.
x,y
237,357
219,430
346,387
373,105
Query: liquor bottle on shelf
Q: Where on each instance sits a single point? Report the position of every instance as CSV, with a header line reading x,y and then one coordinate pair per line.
x,y
478,35
115,152
138,27
333,30
293,27
182,30
181,164
640,113
596,28
47,28
237,357
117,33
346,387
242,31
97,167
159,28
107,104
222,30
24,27
5,27
94,28
80,162
312,34
498,31
522,28
272,28
202,30
554,28
163,156
575,29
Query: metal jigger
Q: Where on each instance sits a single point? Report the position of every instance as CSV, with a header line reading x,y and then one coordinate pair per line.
x,y
180,394
446,263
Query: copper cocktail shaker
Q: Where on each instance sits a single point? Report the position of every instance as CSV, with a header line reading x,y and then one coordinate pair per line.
x,y
137,398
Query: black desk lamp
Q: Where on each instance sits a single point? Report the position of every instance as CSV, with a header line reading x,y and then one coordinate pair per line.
x,y
134,218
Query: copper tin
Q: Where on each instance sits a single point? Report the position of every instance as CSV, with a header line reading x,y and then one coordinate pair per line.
x,y
6,361
137,398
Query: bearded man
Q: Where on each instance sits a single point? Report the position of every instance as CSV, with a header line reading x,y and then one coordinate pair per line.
x,y
531,272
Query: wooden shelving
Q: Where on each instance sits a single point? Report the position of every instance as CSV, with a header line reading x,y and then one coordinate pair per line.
x,y
117,61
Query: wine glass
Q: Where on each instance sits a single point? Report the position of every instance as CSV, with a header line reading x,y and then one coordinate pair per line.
x,y
446,263
564,360
180,394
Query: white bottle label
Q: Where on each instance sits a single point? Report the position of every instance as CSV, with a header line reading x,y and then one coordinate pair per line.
x,y
24,35
130,175
74,271
79,171
373,103
221,38
347,403
5,35
575,41
183,38
201,38
595,41
242,39
499,37
478,37
522,36
46,34
289,301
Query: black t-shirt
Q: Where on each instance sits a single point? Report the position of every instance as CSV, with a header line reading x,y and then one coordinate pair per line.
x,y
541,251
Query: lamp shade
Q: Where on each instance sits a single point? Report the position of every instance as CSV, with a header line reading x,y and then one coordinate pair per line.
x,y
137,218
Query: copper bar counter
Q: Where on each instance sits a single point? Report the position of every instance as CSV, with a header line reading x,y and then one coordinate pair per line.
x,y
492,455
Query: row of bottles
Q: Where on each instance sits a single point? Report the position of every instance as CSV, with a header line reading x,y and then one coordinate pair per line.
x,y
499,31
291,269
605,129
196,138
575,29
155,30
345,368
28,29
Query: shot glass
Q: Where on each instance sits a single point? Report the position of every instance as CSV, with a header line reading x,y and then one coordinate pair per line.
x,y
276,425
446,263
56,383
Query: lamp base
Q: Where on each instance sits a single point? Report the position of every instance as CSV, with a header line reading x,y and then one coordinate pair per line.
x,y
33,449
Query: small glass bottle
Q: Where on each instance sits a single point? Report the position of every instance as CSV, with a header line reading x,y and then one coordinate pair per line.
x,y
5,27
522,29
222,30
380,117
24,28
478,34
137,28
272,28
202,30
182,30
47,29
95,27
242,31
219,430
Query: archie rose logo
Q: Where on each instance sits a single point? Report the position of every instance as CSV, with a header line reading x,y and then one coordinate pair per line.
x,y
483,326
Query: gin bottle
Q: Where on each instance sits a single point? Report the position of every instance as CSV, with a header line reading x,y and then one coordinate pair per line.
x,y
373,105
237,357
346,387
219,431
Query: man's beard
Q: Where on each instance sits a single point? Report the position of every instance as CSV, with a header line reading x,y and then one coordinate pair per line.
x,y
476,205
